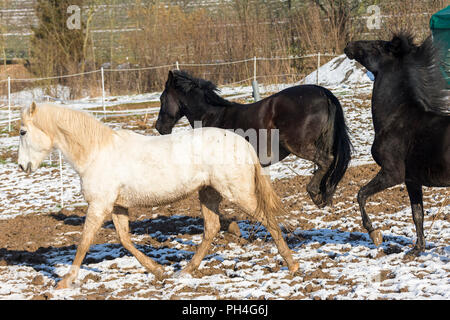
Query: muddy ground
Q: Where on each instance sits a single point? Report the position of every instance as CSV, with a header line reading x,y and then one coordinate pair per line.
x,y
33,241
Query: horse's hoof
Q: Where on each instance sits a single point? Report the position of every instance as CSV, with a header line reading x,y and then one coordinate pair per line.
x,y
416,251
63,284
182,274
294,268
233,228
321,205
377,237
159,274
319,202
320,199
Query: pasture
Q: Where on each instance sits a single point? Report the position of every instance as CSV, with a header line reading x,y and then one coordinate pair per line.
x,y
337,259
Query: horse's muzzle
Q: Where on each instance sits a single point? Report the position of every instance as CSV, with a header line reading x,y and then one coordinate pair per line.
x,y
162,129
348,52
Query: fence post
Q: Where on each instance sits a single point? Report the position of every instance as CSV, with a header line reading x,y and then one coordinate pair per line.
x,y
177,65
318,66
61,180
103,91
256,95
9,104
254,68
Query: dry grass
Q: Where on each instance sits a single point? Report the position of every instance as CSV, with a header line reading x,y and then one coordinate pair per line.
x,y
165,34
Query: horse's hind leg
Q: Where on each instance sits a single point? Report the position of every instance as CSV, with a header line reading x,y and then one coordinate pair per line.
x,y
323,160
272,226
320,195
248,203
121,223
415,196
210,200
382,181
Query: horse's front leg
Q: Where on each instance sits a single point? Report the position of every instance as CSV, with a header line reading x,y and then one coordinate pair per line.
x,y
415,196
121,223
94,218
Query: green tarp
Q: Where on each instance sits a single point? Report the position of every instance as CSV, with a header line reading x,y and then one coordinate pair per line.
x,y
440,28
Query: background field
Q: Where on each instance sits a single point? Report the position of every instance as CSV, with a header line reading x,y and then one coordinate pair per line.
x,y
142,33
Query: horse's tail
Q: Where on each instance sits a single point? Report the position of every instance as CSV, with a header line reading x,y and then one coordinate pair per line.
x,y
337,139
269,204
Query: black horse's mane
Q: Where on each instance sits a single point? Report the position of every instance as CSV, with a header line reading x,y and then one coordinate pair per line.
x,y
425,83
185,82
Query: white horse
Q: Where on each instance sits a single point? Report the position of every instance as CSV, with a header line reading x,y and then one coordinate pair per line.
x,y
122,169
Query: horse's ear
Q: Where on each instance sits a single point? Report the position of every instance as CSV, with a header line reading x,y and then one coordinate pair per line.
x,y
170,77
399,46
32,109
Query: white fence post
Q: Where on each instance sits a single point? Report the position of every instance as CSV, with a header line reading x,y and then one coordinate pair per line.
x,y
9,104
256,95
318,66
61,180
103,91
254,68
177,65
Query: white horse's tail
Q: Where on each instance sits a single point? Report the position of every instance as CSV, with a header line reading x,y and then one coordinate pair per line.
x,y
269,204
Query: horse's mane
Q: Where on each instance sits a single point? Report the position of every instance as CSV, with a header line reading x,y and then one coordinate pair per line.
x,y
185,82
425,83
79,129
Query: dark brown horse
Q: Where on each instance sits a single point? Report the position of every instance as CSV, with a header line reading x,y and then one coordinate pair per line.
x,y
309,119
412,126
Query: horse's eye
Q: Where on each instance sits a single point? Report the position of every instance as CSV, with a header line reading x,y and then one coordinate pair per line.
x,y
23,132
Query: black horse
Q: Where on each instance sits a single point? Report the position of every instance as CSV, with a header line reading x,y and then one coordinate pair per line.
x,y
309,119
412,126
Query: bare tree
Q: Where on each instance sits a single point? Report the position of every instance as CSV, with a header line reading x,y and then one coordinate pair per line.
x,y
338,14
3,31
